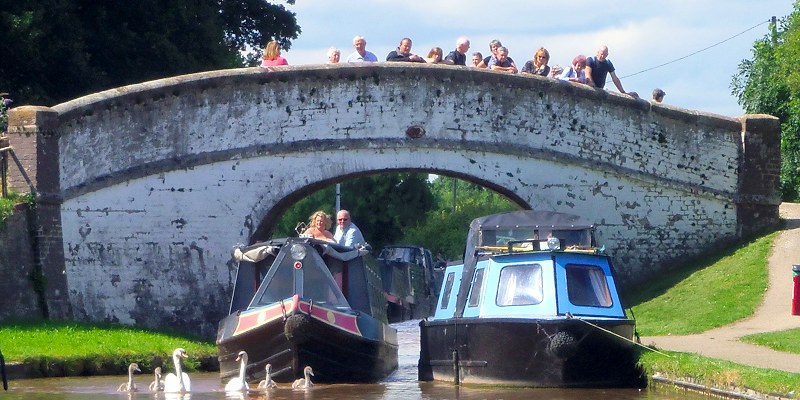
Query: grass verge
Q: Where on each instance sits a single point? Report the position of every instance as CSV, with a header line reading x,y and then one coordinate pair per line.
x,y
721,374
780,341
73,349
713,292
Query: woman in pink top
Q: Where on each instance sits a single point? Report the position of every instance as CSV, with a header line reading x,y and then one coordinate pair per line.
x,y
272,55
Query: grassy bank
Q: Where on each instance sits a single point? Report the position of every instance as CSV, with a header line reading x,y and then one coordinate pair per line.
x,y
72,349
706,294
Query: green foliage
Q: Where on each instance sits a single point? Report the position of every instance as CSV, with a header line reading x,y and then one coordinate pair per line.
x,y
723,290
5,104
769,83
7,204
56,50
444,229
380,205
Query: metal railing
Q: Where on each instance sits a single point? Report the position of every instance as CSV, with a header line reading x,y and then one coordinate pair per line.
x,y
7,151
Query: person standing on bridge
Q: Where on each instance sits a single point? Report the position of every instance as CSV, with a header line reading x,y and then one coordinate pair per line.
x,y
403,53
347,233
459,55
361,54
599,67
272,55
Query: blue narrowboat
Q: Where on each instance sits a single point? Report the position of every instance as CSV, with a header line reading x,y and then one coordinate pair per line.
x,y
534,304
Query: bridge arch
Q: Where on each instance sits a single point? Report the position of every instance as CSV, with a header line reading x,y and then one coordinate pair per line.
x,y
145,188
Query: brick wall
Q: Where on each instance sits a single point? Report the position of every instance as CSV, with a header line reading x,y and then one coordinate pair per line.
x,y
19,299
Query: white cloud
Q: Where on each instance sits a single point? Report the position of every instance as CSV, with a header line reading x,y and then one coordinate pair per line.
x,y
640,35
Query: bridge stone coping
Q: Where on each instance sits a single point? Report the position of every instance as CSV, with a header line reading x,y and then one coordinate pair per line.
x,y
662,182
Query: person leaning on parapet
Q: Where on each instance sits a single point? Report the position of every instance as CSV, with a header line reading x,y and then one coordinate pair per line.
x,y
493,46
502,62
347,233
434,56
477,59
333,55
459,55
361,54
319,223
403,53
658,95
272,55
599,67
538,66
577,72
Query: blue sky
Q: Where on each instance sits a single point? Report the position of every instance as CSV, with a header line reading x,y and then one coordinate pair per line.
x,y
640,35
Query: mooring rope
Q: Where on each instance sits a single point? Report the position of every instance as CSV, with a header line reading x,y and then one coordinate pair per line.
x,y
570,316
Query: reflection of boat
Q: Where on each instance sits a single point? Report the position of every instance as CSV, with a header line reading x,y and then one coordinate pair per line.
x,y
534,304
302,302
408,278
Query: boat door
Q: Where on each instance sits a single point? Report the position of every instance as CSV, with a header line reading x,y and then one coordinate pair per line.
x,y
585,286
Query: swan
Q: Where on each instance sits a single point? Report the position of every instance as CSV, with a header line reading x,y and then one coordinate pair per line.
x,y
268,383
130,386
304,383
157,385
239,383
179,381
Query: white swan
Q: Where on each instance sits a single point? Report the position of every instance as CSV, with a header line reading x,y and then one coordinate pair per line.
x,y
268,383
304,383
179,381
239,383
129,386
157,385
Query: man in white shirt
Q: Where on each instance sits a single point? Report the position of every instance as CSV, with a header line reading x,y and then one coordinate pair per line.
x,y
361,54
347,233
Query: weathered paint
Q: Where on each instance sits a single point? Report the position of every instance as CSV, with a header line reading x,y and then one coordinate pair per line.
x,y
156,182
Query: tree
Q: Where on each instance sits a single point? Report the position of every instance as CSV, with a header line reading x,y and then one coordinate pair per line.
x,y
444,229
382,206
769,83
56,50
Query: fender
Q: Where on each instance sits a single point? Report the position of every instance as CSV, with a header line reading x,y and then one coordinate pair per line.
x,y
3,371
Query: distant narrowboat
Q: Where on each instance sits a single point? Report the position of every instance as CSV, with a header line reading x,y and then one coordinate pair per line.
x,y
409,282
535,304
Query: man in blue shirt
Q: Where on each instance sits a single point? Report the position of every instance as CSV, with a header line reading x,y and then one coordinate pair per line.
x,y
599,67
347,233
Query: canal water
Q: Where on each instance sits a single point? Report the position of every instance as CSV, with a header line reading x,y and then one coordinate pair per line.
x,y
402,384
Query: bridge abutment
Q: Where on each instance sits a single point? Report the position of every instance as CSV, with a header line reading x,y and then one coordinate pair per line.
x,y
759,175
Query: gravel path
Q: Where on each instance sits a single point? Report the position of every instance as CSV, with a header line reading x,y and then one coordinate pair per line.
x,y
774,314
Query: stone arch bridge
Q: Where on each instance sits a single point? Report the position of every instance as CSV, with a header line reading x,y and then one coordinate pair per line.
x,y
144,189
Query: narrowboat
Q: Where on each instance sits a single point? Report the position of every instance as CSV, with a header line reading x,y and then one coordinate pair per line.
x,y
408,278
301,302
534,304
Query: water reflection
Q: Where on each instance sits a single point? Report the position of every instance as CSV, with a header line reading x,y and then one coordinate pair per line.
x,y
402,384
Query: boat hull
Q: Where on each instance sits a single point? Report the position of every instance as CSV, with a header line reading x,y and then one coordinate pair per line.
x,y
530,352
359,350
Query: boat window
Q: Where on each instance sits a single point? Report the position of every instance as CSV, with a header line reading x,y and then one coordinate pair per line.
x,y
503,236
319,286
447,289
520,285
587,286
477,285
574,237
280,287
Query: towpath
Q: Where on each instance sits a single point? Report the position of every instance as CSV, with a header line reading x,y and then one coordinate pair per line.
x,y
774,313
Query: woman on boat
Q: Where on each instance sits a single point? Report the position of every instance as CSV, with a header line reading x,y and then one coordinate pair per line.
x,y
319,223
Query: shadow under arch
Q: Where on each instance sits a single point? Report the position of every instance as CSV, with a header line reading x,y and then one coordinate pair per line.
x,y
267,224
